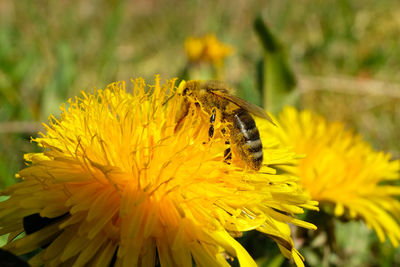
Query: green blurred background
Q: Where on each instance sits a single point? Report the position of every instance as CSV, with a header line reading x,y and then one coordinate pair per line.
x,y
345,56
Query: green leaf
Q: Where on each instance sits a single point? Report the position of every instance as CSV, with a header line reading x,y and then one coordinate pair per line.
x,y
277,78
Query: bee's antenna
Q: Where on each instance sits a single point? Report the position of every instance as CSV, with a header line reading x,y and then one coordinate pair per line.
x,y
169,98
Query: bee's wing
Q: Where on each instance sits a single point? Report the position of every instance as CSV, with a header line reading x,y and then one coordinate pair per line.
x,y
250,107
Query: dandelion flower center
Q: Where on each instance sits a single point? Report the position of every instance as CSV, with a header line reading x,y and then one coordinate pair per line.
x,y
125,185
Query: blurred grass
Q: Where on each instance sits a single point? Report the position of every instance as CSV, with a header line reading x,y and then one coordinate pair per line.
x,y
50,50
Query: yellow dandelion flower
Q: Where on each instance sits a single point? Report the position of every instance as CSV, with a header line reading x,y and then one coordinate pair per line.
x,y
207,49
118,183
342,169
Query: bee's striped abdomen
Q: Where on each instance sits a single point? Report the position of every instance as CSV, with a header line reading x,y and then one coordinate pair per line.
x,y
248,138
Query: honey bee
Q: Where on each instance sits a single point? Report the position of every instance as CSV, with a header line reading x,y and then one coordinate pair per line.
x,y
218,100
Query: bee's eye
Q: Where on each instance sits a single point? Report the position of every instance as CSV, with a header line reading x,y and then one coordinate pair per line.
x,y
185,91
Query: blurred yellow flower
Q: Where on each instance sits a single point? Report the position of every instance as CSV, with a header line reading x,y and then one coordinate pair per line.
x,y
342,169
207,49
125,186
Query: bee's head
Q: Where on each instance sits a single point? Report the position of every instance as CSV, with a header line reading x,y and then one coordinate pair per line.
x,y
187,88
185,91
182,89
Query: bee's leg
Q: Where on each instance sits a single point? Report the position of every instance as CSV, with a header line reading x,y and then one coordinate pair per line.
x,y
212,120
227,154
